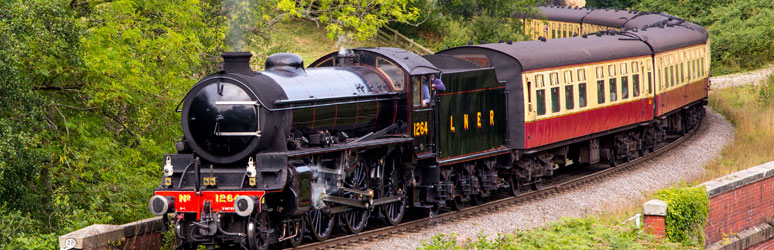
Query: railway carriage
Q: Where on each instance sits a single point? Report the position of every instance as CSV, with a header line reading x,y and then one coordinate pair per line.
x,y
293,153
554,22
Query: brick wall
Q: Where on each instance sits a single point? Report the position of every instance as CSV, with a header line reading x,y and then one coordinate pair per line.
x,y
741,208
654,225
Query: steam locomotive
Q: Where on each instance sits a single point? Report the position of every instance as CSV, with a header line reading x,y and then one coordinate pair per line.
x,y
275,156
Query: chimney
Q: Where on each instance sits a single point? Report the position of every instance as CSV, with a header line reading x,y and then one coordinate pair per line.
x,y
237,62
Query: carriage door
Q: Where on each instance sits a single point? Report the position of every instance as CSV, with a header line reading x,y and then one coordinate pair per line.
x,y
421,127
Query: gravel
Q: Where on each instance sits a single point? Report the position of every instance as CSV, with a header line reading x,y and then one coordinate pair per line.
x,y
685,163
733,80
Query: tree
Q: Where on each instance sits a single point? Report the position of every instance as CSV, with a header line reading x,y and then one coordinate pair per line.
x,y
355,19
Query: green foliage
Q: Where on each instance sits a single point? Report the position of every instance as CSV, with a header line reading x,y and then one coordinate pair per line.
x,y
86,108
741,34
355,19
452,23
611,4
740,31
569,233
492,8
687,209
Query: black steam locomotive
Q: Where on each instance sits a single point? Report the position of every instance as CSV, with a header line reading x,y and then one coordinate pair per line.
x,y
269,157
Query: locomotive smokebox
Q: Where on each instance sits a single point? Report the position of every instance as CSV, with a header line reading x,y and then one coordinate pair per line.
x,y
237,62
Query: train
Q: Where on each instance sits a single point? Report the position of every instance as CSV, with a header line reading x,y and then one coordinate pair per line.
x,y
292,153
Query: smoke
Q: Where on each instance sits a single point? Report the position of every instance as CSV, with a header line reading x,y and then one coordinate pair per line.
x,y
240,18
342,42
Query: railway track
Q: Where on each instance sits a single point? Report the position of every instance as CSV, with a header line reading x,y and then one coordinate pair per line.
x,y
551,187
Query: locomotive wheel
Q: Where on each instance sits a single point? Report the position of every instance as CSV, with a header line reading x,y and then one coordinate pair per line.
x,y
356,219
320,225
255,241
298,229
394,184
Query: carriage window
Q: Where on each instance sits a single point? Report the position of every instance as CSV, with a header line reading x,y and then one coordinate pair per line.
x,y
555,99
554,78
682,73
611,69
564,30
529,96
394,72
600,72
672,75
613,90
541,101
650,89
539,81
635,67
601,91
701,62
636,85
567,77
582,94
666,78
624,69
581,75
624,87
568,96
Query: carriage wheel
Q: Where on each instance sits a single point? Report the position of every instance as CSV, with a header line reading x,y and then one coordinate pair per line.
x,y
515,184
537,184
320,225
357,218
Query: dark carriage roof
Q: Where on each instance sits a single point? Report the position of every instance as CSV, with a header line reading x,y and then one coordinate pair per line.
x,y
413,63
568,51
608,17
447,62
664,38
563,14
646,18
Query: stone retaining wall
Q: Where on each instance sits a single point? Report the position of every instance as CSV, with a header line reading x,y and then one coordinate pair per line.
x,y
140,235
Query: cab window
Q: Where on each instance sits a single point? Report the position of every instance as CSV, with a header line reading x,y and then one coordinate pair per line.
x,y
394,72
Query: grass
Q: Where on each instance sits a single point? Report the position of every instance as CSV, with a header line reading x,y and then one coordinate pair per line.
x,y
751,111
568,233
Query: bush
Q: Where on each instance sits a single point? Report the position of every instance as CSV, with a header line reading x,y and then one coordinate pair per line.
x,y
687,209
